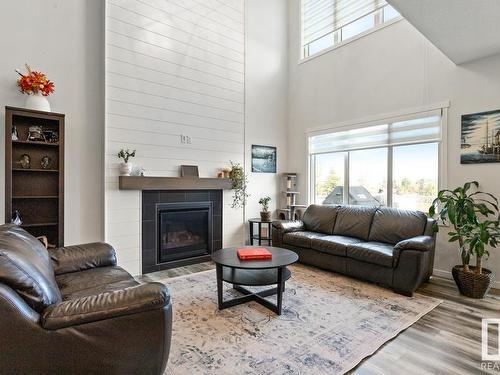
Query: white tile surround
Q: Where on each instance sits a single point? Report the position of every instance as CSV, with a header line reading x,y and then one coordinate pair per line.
x,y
172,67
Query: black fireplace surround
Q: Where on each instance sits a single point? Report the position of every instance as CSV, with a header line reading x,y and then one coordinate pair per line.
x,y
180,227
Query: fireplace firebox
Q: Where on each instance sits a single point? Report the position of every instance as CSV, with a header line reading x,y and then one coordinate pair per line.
x,y
180,227
184,230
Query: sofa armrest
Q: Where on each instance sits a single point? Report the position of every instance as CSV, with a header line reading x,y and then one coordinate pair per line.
x,y
420,243
280,227
106,305
287,226
82,257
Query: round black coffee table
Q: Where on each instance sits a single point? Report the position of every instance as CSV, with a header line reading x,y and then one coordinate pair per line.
x,y
253,273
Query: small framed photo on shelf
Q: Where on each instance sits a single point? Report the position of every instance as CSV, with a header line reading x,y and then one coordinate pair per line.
x,y
263,159
189,171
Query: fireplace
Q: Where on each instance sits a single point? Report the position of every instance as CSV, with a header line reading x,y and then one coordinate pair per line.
x,y
180,227
184,230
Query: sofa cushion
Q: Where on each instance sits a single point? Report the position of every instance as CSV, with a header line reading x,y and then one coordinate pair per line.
x,y
301,239
372,252
354,221
391,225
25,266
93,281
320,218
335,245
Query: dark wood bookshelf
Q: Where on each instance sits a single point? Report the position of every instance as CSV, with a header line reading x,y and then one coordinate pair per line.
x,y
35,170
33,143
36,193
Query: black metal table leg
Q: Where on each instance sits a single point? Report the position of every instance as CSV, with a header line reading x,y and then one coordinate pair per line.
x,y
251,233
219,285
281,288
270,234
260,233
249,295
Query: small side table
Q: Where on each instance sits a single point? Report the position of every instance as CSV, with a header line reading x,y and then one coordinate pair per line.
x,y
260,236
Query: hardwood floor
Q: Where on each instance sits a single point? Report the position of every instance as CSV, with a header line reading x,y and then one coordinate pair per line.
x,y
445,341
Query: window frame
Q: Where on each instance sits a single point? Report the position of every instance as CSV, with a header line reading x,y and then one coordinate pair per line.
x,y
442,149
337,34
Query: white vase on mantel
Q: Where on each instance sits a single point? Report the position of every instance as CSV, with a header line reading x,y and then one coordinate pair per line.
x,y
125,169
37,102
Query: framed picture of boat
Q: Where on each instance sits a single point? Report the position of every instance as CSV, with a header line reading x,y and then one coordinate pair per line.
x,y
480,138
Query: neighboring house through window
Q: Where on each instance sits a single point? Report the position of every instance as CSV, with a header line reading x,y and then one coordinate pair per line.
x,y
396,163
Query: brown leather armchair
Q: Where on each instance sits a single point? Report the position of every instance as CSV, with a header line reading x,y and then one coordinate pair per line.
x,y
72,311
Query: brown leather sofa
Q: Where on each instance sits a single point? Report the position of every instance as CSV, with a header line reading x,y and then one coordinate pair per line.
x,y
71,310
387,246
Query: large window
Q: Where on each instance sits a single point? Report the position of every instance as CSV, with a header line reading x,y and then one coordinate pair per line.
x,y
326,23
394,164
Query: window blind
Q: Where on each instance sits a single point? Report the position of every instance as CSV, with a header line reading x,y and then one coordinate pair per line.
x,y
322,17
396,132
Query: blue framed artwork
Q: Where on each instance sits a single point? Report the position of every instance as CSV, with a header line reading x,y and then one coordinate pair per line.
x,y
263,159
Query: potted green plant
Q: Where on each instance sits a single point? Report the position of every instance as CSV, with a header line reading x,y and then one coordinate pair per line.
x,y
474,217
125,166
265,214
239,183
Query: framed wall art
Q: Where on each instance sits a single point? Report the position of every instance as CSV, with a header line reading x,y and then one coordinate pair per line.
x,y
480,138
263,159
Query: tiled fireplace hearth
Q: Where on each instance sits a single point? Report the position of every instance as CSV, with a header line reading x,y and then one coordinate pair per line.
x,y
179,227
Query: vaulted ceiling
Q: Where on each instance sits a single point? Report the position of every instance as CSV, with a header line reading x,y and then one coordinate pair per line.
x,y
464,30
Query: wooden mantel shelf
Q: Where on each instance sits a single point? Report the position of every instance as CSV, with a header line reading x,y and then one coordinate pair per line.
x,y
173,183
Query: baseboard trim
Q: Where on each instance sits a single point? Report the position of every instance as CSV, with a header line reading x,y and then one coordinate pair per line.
x,y
447,275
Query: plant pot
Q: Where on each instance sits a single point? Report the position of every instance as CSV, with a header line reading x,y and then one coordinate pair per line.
x,y
125,169
37,102
265,216
471,284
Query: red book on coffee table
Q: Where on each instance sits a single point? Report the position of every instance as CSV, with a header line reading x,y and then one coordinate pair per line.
x,y
254,253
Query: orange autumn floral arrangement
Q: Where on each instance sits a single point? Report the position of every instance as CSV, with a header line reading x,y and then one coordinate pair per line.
x,y
34,83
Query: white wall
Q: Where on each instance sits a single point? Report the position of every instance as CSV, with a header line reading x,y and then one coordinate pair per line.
x,y
64,39
390,70
69,48
266,95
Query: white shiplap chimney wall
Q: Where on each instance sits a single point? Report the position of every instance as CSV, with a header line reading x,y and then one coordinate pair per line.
x,y
173,67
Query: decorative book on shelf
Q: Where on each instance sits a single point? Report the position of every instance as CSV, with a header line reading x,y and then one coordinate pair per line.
x,y
34,171
255,253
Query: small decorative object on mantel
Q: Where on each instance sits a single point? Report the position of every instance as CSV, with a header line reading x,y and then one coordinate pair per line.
x,y
138,171
189,171
265,214
474,217
16,218
45,162
25,161
239,184
263,159
224,173
37,86
125,166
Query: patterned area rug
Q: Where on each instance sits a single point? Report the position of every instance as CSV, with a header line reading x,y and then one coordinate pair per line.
x,y
329,324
